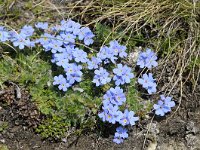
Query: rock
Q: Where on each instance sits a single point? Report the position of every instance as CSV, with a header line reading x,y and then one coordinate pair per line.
x,y
133,56
153,128
177,127
15,129
172,145
193,142
192,128
152,146
10,135
2,140
64,140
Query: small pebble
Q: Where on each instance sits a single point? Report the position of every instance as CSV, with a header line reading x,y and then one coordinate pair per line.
x,y
2,140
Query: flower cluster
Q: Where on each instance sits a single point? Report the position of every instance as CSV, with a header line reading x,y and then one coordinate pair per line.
x,y
112,53
101,77
20,39
164,105
42,25
4,34
94,63
62,82
147,59
63,40
122,74
60,40
114,98
120,135
148,83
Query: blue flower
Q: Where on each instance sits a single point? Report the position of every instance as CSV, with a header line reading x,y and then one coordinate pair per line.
x,y
61,58
56,46
45,40
70,69
93,63
164,105
106,53
20,41
122,74
131,118
68,38
115,96
73,72
118,49
62,82
88,38
147,59
121,132
4,34
110,113
79,55
42,25
118,140
103,115
101,77
27,30
120,135
64,85
128,118
83,33
102,54
112,52
148,83
62,62
69,26
58,79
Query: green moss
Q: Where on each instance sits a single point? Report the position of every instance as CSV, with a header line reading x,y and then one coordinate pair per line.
x,y
133,99
54,127
3,126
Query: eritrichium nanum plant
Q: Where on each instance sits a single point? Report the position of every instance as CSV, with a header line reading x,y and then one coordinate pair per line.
x,y
70,45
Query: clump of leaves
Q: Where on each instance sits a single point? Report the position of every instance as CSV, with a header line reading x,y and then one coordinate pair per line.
x,y
133,97
8,67
53,127
78,110
135,102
